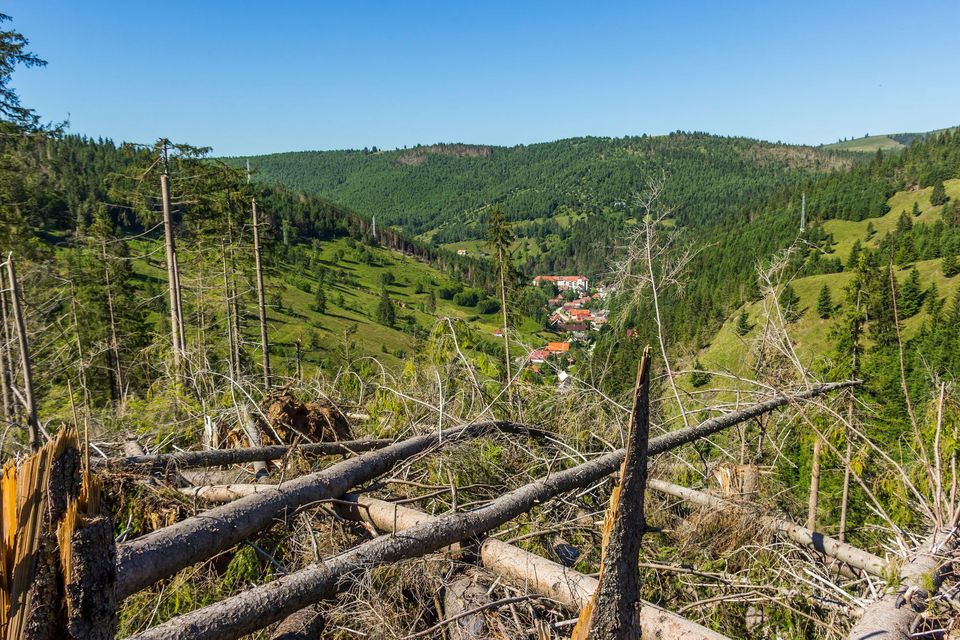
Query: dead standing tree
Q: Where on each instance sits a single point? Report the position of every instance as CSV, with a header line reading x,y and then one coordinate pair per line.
x,y
614,610
29,400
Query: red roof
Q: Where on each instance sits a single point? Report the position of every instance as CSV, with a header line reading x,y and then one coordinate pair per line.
x,y
558,347
539,355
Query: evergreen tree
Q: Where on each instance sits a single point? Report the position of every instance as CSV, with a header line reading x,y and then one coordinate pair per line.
x,y
790,303
950,266
935,303
904,223
916,209
854,257
386,314
431,301
871,230
910,296
320,300
824,303
939,194
699,377
743,324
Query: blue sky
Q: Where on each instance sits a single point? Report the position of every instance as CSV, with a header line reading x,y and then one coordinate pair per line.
x,y
329,75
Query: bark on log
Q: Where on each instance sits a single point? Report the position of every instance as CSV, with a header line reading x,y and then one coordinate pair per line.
x,y
614,611
891,616
161,553
261,606
830,547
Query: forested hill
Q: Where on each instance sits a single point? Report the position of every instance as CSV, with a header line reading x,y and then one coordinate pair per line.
x,y
553,191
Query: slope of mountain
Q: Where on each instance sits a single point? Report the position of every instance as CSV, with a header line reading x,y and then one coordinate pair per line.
x,y
885,142
562,196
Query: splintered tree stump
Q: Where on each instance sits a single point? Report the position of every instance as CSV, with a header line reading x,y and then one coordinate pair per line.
x,y
461,595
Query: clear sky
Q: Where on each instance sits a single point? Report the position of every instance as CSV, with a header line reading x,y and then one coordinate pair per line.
x,y
248,77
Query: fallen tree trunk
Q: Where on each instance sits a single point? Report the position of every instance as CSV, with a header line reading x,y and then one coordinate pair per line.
x,y
892,616
830,547
261,606
221,457
306,624
163,552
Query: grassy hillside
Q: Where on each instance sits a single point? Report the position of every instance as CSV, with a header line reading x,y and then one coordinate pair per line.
x,y
351,307
885,142
731,352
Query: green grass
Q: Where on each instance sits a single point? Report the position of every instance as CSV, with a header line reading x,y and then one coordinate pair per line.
x,y
869,144
297,319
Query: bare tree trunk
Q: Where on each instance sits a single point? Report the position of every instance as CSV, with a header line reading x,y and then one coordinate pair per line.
x,y
261,302
114,343
180,329
33,423
170,250
614,610
814,498
506,328
231,350
306,624
6,370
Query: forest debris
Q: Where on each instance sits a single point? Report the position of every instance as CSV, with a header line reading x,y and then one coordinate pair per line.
x,y
319,421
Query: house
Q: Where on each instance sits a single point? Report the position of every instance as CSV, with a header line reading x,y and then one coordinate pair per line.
x,y
538,356
580,315
461,252
582,301
558,347
564,283
498,333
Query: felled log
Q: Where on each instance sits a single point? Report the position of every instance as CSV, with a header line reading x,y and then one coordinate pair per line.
x,y
830,547
261,606
220,457
614,609
891,616
163,552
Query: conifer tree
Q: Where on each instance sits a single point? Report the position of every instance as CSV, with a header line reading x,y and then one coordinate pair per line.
x,y
910,296
699,377
790,303
950,266
935,303
916,209
320,300
939,194
743,324
824,303
855,252
386,314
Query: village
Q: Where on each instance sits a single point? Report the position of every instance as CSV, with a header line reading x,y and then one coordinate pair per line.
x,y
576,311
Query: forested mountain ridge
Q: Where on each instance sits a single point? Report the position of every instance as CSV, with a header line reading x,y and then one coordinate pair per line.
x,y
548,190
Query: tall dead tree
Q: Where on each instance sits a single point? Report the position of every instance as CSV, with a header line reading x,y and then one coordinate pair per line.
x,y
173,280
614,610
5,368
33,423
261,301
114,342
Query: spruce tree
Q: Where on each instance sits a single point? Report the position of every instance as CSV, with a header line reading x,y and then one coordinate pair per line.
x,y
743,324
320,300
385,311
910,296
790,303
939,195
699,377
854,257
916,209
935,303
871,230
950,267
824,303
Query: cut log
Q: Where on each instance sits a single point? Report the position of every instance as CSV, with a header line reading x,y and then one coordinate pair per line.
x,y
830,547
461,597
163,552
614,610
261,606
892,615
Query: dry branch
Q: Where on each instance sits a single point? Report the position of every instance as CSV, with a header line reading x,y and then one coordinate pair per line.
x,y
261,606
826,545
